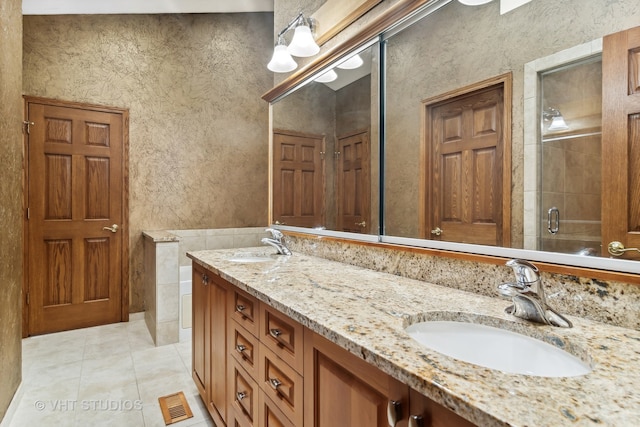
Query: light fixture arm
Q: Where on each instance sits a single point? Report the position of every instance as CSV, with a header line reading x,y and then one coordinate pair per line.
x,y
300,19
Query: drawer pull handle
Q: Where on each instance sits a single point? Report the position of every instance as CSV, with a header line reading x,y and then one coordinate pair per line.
x,y
275,333
240,348
416,421
275,383
241,395
240,308
393,413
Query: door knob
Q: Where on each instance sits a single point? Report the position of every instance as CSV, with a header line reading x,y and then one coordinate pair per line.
x,y
436,231
113,228
362,224
617,249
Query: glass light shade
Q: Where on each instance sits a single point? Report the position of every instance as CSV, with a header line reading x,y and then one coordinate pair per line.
x,y
303,44
558,123
327,77
474,2
352,63
281,62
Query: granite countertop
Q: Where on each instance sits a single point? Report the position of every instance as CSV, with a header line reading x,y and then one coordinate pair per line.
x,y
365,312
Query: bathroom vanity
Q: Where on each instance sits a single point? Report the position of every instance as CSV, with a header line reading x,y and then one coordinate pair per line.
x,y
304,341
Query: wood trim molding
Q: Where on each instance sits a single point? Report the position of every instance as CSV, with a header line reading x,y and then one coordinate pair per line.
x,y
398,11
483,259
327,12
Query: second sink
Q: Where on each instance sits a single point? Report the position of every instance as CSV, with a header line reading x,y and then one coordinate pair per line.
x,y
497,348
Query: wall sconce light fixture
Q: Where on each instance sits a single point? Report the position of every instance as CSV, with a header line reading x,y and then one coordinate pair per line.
x,y
557,121
302,45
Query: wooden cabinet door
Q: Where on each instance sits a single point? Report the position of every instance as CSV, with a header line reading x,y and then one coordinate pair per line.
x,y
433,414
200,330
354,183
342,390
621,141
219,300
298,179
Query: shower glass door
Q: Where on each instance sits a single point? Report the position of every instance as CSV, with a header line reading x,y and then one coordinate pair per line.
x,y
571,146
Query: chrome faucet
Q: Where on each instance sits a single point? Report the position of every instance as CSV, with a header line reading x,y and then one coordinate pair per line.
x,y
528,297
277,241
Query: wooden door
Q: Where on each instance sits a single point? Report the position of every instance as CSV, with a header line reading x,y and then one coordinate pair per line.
x,y
354,183
342,390
298,179
76,228
621,141
466,168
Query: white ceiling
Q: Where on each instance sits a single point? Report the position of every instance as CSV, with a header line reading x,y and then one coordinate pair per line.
x,y
80,7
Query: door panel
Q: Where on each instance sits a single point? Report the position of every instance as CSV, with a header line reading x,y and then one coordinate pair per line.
x,y
465,195
76,187
354,183
621,141
298,179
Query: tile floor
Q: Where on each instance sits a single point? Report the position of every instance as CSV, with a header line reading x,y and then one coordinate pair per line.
x,y
103,376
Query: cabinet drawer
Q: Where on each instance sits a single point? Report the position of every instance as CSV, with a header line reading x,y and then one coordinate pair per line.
x,y
282,335
245,311
270,415
244,347
243,393
282,384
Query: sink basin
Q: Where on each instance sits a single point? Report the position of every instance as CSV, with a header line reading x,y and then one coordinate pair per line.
x,y
250,258
497,348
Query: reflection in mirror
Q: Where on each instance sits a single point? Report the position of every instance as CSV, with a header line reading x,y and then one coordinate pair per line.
x,y
457,52
325,149
571,147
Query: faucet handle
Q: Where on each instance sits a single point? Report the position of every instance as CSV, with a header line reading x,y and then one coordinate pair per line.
x,y
526,273
276,234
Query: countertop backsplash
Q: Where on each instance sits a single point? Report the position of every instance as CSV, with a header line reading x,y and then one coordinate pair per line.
x,y
612,302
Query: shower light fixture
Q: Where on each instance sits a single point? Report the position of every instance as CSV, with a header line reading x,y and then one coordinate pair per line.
x,y
555,116
302,45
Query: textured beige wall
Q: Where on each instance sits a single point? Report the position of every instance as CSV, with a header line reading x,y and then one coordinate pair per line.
x,y
10,200
460,45
198,127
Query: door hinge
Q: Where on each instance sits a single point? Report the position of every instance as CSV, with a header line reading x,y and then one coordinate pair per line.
x,y
27,298
27,126
28,213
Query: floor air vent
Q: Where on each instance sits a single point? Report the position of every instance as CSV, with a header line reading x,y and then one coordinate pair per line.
x,y
174,408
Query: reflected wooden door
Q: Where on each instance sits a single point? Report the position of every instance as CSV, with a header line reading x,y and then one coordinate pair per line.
x,y
354,183
298,179
621,141
466,189
76,213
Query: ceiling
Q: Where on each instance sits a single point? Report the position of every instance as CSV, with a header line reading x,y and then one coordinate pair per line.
x,y
80,7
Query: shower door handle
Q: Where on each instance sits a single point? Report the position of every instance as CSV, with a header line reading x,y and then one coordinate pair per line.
x,y
553,220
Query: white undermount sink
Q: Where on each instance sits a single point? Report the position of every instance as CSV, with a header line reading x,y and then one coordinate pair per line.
x,y
250,258
496,348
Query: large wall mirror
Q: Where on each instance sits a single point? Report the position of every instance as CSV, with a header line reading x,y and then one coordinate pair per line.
x,y
491,132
